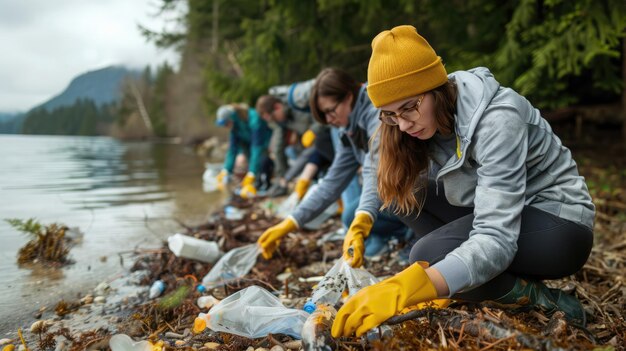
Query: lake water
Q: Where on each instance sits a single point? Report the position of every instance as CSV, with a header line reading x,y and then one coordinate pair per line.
x,y
121,195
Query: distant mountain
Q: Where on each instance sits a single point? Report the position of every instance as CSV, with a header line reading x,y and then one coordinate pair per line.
x,y
5,116
11,123
101,86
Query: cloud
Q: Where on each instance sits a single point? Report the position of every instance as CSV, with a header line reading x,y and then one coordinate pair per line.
x,y
47,43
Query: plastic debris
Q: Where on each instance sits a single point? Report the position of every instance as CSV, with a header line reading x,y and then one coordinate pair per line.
x,y
207,301
316,329
233,213
156,289
209,180
234,264
195,249
252,312
339,278
123,342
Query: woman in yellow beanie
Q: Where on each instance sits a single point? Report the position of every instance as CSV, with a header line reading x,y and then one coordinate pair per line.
x,y
480,176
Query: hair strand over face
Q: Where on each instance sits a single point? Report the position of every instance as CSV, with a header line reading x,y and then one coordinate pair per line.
x,y
403,159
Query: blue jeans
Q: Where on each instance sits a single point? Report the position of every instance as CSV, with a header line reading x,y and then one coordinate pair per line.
x,y
386,227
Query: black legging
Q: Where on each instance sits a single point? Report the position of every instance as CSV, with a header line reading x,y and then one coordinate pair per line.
x,y
549,247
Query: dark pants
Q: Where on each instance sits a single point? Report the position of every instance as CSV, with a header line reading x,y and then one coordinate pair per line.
x,y
549,247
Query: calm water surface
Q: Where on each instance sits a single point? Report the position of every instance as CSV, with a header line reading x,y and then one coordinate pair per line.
x,y
121,195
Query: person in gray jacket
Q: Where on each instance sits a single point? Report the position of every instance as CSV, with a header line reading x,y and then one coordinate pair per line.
x,y
479,173
341,101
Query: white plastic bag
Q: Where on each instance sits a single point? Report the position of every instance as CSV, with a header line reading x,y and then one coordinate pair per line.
x,y
253,313
209,180
336,280
234,264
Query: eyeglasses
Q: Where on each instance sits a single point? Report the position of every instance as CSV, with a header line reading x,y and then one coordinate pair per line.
x,y
332,110
392,118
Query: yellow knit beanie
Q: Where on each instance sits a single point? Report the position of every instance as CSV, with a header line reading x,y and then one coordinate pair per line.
x,y
402,65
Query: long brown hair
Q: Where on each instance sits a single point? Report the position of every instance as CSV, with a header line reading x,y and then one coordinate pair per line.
x,y
403,163
333,83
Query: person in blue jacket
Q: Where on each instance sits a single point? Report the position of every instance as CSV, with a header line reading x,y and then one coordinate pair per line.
x,y
480,175
249,135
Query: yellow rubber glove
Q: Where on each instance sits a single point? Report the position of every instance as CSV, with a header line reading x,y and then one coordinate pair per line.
x,y
248,191
248,179
358,231
376,303
302,185
308,138
222,179
270,239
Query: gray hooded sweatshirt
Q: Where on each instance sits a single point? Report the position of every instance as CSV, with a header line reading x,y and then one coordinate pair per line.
x,y
504,156
353,152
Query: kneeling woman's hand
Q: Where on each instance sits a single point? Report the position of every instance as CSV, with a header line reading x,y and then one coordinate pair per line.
x,y
355,237
270,239
376,303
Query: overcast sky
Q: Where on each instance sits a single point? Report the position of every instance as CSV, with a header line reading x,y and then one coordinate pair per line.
x,y
47,43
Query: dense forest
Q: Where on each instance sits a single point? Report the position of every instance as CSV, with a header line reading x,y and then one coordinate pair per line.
x,y
557,53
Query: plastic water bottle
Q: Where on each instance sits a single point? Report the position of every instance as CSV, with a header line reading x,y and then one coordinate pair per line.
x,y
316,329
233,213
156,289
207,301
195,249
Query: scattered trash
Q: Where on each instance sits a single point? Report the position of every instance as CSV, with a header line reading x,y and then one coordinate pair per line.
x,y
195,249
253,313
123,342
156,289
209,180
206,302
234,264
233,213
339,278
316,329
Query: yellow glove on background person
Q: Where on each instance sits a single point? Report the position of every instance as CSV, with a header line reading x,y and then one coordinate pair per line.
x,y
308,138
302,185
376,303
270,239
358,231
222,179
248,191
248,179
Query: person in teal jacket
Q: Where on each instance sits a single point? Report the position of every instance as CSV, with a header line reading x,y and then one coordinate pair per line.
x,y
250,135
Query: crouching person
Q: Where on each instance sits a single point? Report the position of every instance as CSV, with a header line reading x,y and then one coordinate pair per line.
x,y
501,204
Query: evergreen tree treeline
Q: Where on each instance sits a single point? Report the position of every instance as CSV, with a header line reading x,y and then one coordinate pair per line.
x,y
556,52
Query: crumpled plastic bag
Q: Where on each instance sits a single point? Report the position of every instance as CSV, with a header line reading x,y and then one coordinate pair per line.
x,y
234,264
253,313
337,279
